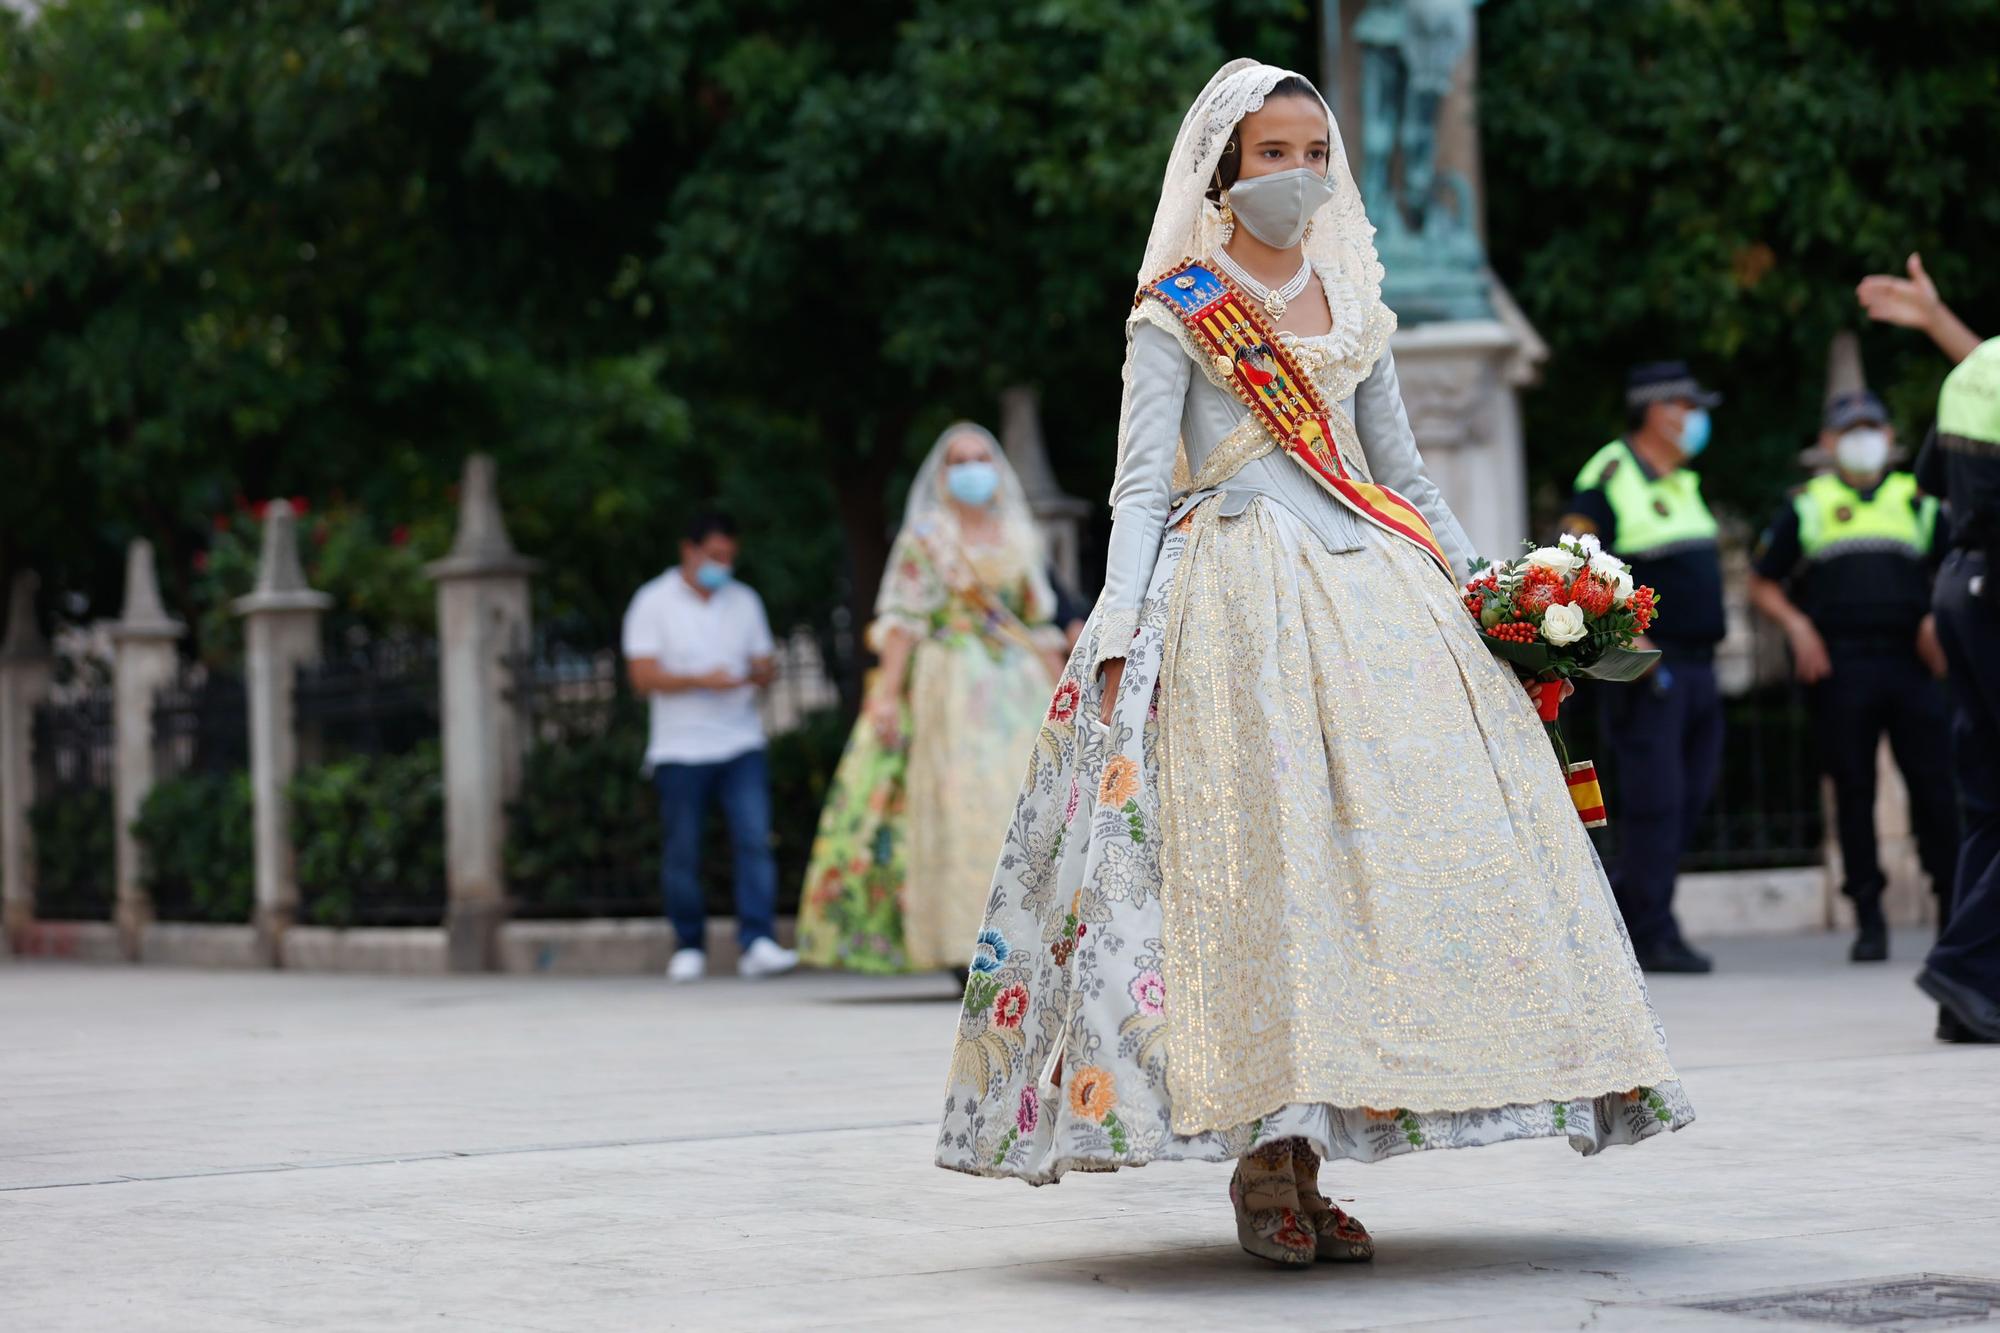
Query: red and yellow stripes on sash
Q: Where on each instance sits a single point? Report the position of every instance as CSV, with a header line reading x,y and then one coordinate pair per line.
x,y
1246,352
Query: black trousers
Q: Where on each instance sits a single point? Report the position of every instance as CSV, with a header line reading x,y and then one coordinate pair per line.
x,y
1968,944
1886,690
1665,740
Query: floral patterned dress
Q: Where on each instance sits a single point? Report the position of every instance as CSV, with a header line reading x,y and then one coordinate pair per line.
x,y
1319,878
904,854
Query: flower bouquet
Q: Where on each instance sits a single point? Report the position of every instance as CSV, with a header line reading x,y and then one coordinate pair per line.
x,y
1557,613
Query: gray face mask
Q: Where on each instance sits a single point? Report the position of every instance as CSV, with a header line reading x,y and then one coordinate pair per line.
x,y
1276,208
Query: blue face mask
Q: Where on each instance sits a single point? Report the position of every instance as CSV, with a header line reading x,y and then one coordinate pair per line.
x,y
1694,431
972,483
712,576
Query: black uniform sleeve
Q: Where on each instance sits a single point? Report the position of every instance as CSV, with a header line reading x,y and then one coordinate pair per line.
x,y
1590,511
1778,550
1930,469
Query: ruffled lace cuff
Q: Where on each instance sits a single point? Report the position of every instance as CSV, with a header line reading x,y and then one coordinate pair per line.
x,y
1114,636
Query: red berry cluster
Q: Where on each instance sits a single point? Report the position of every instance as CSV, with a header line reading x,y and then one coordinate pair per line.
x,y
1517,631
1540,589
1643,608
1474,604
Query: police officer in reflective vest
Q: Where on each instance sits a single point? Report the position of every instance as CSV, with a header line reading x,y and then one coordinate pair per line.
x,y
1855,546
1962,464
1665,732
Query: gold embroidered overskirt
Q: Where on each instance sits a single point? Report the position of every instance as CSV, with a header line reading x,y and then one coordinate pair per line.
x,y
1375,888
1319,878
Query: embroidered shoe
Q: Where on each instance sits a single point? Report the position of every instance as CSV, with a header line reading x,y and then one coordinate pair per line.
x,y
1268,1223
1338,1238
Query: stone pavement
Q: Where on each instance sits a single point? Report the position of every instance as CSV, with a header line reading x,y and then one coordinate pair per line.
x,y
218,1151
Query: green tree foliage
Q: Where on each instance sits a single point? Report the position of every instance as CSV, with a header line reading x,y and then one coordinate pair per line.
x,y
644,252
317,247
1710,178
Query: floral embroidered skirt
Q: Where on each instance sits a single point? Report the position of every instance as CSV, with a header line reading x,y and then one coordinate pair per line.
x,y
904,853
1320,878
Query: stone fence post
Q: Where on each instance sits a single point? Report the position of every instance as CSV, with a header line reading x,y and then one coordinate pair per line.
x,y
281,620
144,662
483,617
25,663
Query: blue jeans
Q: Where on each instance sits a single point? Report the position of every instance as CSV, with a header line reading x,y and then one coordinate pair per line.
x,y
743,788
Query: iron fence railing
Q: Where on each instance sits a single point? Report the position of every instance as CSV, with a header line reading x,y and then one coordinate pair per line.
x,y
1767,809
381,698
584,833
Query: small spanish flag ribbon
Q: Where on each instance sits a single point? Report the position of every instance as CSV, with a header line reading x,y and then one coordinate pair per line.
x,y
1586,794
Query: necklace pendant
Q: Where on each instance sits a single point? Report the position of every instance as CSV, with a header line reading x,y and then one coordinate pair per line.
x,y
1275,304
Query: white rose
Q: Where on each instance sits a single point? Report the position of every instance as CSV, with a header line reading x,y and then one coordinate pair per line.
x,y
1613,571
1563,624
1554,557
1588,544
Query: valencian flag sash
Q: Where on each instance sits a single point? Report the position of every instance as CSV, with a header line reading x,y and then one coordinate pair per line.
x,y
1245,350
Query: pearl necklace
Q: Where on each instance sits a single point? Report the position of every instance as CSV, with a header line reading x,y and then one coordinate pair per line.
x,y
1275,299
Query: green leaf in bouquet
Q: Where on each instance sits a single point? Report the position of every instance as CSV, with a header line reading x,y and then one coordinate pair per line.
x,y
1531,657
1622,664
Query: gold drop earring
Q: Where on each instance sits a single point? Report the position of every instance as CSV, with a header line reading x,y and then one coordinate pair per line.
x,y
1228,221
1307,238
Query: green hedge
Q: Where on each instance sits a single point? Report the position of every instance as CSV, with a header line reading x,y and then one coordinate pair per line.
x,y
369,830
584,836
198,848
74,860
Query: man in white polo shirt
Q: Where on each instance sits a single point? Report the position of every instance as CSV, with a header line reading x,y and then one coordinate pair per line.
x,y
698,647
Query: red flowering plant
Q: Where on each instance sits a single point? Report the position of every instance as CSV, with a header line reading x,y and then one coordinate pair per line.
x,y
373,569
1560,612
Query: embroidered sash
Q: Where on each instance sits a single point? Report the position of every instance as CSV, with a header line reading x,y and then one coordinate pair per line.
x,y
1247,352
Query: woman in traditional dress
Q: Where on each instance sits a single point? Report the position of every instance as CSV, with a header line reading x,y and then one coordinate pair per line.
x,y
1297,877
921,799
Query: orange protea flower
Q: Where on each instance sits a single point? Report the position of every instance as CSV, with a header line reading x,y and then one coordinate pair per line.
x,y
1120,782
1541,588
1092,1093
1591,593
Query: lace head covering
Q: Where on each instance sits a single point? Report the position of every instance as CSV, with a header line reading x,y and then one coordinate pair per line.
x,y
931,514
1186,225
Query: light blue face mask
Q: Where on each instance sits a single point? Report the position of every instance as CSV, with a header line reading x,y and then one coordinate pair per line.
x,y
712,576
1694,431
972,483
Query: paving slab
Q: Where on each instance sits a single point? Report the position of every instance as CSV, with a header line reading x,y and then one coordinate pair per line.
x,y
231,1150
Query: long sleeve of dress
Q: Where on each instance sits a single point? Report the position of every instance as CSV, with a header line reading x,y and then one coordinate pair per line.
x,y
1393,460
912,591
1155,393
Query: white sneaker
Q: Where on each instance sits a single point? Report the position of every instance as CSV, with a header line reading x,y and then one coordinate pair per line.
x,y
687,965
765,958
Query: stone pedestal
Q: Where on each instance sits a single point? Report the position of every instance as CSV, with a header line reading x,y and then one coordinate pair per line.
x,y
1059,515
1461,383
1402,77
144,662
281,633
483,617
25,663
